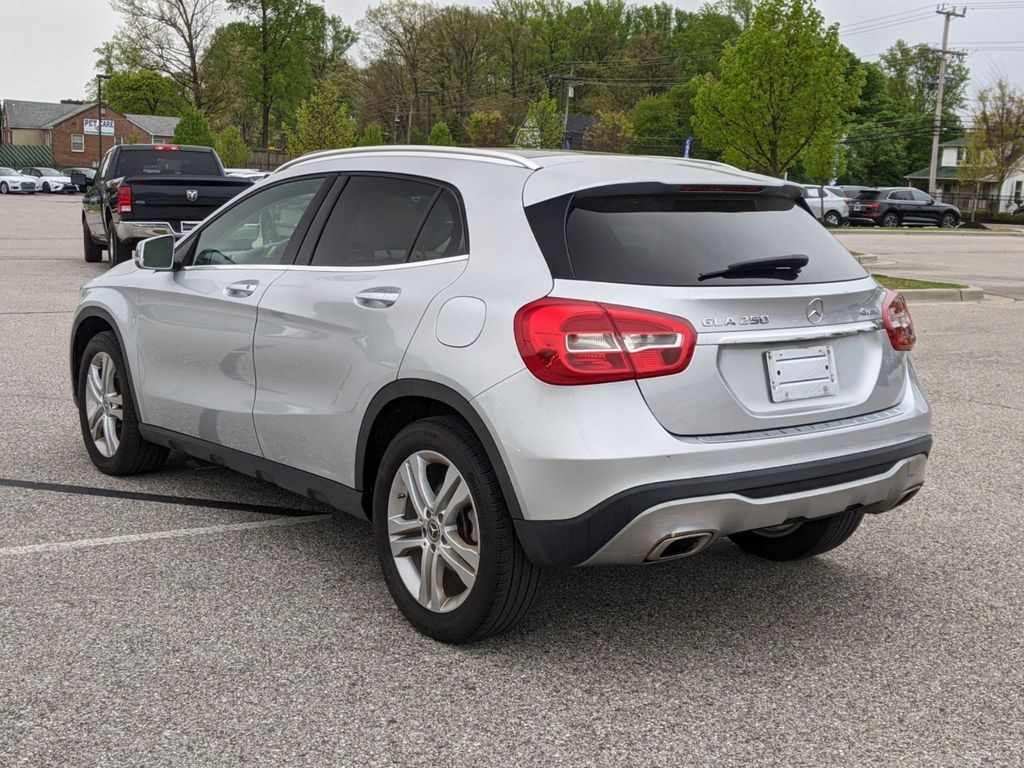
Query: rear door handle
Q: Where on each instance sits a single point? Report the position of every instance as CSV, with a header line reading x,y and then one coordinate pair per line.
x,y
378,298
242,288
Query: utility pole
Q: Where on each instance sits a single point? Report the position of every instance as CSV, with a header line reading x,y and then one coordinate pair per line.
x,y
428,92
933,167
398,126
99,116
568,81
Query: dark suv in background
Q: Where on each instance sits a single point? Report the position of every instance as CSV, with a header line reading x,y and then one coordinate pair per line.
x,y
902,206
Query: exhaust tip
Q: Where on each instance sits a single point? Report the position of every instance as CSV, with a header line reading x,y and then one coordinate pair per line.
x,y
677,545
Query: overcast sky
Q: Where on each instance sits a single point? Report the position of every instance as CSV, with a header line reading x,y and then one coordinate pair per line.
x,y
47,51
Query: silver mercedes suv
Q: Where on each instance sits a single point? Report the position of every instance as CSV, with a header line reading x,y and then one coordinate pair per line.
x,y
511,361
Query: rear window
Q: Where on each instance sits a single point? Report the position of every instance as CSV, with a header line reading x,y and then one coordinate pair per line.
x,y
674,239
167,162
868,194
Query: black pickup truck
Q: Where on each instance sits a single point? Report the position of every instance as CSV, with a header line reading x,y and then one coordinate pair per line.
x,y
144,190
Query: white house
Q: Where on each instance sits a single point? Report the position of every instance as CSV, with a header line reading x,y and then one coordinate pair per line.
x,y
968,195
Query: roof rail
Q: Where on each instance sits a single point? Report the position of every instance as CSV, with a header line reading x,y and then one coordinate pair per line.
x,y
492,155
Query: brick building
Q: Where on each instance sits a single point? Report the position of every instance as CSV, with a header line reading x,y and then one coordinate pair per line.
x,y
71,129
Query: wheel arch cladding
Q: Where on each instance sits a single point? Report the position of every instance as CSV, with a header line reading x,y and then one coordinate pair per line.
x,y
407,400
90,322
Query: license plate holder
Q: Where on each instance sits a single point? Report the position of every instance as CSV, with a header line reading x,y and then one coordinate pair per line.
x,y
802,373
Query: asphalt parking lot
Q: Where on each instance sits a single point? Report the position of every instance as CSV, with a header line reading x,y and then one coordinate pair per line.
x,y
197,617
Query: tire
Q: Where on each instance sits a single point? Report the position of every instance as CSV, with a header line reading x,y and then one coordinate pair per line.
x,y
807,539
475,521
117,249
833,219
93,251
891,219
4,188
114,444
949,221
46,186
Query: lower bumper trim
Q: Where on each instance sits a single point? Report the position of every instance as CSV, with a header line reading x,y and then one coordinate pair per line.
x,y
558,543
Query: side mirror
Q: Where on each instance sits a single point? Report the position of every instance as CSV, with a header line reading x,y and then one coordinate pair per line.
x,y
931,200
155,253
79,180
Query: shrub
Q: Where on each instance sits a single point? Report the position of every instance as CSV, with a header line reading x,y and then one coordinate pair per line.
x,y
441,135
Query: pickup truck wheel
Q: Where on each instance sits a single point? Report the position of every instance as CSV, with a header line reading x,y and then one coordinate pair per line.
x,y
117,249
794,541
106,410
444,537
93,251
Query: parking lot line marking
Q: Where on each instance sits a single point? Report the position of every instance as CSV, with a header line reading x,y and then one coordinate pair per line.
x,y
29,549
158,498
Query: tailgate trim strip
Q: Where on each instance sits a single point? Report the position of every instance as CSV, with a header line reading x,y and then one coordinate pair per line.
x,y
790,334
805,429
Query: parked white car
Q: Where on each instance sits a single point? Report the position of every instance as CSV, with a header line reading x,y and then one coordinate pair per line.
x,y
247,173
49,179
832,210
12,181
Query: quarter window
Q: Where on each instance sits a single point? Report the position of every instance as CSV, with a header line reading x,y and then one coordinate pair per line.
x,y
380,221
259,228
77,142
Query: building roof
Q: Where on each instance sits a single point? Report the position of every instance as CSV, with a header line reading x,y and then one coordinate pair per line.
x,y
35,114
155,125
961,142
944,172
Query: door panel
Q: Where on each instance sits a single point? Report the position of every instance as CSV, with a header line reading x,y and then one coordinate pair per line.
x,y
196,371
322,353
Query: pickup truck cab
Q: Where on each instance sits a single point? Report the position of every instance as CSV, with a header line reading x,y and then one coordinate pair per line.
x,y
144,190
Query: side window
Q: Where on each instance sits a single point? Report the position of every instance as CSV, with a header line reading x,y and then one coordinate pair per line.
x,y
899,195
258,229
374,223
442,234
920,196
811,192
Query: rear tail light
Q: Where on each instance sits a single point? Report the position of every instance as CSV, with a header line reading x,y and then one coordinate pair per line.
x,y
897,321
565,341
166,148
124,199
871,206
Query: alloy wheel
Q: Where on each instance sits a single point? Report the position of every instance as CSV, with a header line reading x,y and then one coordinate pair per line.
x,y
434,531
3,188
104,404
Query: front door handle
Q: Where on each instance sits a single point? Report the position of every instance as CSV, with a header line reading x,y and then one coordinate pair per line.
x,y
378,298
242,288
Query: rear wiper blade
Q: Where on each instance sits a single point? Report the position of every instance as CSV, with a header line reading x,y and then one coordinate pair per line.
x,y
780,267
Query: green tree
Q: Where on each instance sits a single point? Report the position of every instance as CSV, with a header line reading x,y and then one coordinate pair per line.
x,y
783,85
373,135
662,121
997,135
143,92
285,39
487,129
322,122
231,147
440,135
193,129
544,127
613,132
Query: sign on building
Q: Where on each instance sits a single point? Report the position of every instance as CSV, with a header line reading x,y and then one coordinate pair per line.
x,y
89,125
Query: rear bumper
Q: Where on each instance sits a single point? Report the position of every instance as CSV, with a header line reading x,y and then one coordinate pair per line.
x,y
626,527
130,231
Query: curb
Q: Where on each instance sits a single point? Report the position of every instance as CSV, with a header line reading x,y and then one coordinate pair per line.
x,y
943,294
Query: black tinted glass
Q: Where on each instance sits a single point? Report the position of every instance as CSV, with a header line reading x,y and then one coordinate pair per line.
x,y
167,162
442,233
868,194
374,223
673,239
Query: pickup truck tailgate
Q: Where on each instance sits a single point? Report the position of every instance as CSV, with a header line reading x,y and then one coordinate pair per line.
x,y
175,199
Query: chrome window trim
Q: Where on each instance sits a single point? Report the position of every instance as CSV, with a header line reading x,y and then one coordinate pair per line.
x,y
310,268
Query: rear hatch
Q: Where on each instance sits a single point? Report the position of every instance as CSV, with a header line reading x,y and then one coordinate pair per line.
x,y
790,336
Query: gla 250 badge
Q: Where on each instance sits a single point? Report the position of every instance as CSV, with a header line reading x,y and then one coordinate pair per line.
x,y
715,322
